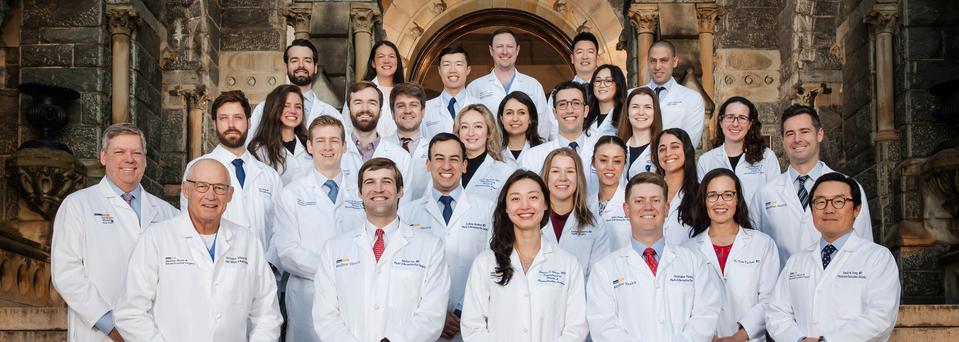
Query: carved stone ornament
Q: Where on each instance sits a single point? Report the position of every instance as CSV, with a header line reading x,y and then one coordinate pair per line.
x,y
560,6
707,16
416,31
44,177
439,6
805,94
363,19
197,97
299,18
883,17
643,18
123,20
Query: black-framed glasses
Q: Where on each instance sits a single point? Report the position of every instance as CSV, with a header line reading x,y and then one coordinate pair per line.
x,y
735,118
727,196
837,202
203,187
567,104
600,82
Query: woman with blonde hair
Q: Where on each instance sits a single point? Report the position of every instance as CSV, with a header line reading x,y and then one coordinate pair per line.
x,y
485,169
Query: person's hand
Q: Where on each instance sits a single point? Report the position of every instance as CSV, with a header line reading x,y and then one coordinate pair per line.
x,y
115,335
810,339
452,326
739,336
715,338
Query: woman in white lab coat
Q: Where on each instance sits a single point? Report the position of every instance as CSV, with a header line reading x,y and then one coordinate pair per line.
x,y
641,123
485,169
676,159
739,146
572,223
745,259
280,139
608,89
385,69
518,122
525,287
609,161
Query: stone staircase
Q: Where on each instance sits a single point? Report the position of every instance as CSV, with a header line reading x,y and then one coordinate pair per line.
x,y
927,323
33,324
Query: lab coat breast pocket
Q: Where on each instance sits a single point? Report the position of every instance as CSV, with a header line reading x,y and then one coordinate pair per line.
x,y
680,291
240,280
848,294
406,278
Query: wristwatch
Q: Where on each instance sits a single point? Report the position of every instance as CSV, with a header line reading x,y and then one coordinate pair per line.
x,y
822,339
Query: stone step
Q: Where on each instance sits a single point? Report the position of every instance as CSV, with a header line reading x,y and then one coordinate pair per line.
x,y
927,323
33,336
32,319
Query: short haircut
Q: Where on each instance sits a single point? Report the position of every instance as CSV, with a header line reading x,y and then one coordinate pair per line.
x,y
568,85
299,42
118,129
500,31
360,85
443,136
665,44
796,110
228,97
380,163
326,121
452,50
586,36
647,178
408,89
838,177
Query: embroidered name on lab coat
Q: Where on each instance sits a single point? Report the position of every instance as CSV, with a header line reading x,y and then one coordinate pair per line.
x,y
353,204
747,262
487,183
474,225
344,262
172,260
754,169
617,218
851,275
584,232
303,203
266,191
409,263
236,260
485,94
105,218
798,275
432,123
682,278
555,277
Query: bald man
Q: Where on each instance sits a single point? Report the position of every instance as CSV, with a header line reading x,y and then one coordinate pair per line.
x,y
681,107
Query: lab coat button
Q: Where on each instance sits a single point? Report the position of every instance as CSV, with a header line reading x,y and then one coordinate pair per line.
x,y
376,307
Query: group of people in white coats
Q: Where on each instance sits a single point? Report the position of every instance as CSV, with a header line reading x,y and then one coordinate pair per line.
x,y
582,216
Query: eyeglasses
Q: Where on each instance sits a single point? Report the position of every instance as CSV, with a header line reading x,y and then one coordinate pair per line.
x,y
203,187
838,202
727,196
599,82
735,118
567,104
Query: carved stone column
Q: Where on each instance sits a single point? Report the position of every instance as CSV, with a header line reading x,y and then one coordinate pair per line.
x,y
644,18
299,18
123,22
883,19
707,15
363,18
196,101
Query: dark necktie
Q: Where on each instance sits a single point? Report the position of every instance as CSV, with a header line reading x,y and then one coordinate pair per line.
x,y
240,174
659,90
573,145
802,193
127,197
447,202
406,143
650,255
827,255
452,109
332,190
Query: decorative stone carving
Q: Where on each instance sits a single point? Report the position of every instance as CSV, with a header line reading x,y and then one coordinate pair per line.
x,y
299,18
43,177
883,16
644,17
707,16
416,31
363,19
196,101
123,20
805,94
560,6
584,27
439,6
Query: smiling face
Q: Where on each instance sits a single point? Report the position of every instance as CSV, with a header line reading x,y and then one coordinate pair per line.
x,y
661,64
407,112
380,193
641,111
561,178
327,146
292,115
124,161
365,109
801,139
231,125
515,118
384,61
671,155
647,208
454,70
584,57
447,165
525,204
300,66
604,88
207,207
721,211
831,222
473,132
504,50
570,110
735,122
609,161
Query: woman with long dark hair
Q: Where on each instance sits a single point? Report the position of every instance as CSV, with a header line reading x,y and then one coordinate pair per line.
x,y
609,163
385,69
676,159
642,121
745,259
280,139
738,137
608,87
524,285
485,168
518,121
574,226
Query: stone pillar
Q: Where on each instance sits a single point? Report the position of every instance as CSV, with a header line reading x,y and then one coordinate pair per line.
x,y
299,18
363,17
196,101
644,18
883,19
707,15
123,21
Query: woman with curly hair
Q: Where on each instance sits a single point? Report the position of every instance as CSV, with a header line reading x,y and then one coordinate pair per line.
x,y
675,158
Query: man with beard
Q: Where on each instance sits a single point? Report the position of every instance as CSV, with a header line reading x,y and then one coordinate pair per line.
x,y
682,107
257,184
300,60
364,100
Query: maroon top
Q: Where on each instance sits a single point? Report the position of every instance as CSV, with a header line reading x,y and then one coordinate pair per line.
x,y
558,222
722,252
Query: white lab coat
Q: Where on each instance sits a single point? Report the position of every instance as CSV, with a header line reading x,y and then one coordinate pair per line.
x,y
252,204
749,278
627,303
403,297
751,176
856,298
94,233
174,292
305,220
547,303
489,178
683,108
643,163
386,149
417,179
606,128
437,118
508,156
534,158
465,237
297,164
588,245
490,92
613,217
675,232
386,126
776,211
318,109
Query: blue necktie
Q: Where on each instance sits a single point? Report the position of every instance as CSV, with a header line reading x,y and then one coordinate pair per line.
x,y
827,255
240,174
573,145
802,193
447,207
332,190
452,109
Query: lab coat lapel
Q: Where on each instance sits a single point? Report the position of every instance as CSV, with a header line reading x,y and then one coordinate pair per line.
x,y
396,243
433,209
460,210
148,209
194,243
706,248
125,215
223,242
789,193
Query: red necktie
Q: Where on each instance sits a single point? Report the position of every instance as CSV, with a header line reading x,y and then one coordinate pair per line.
x,y
378,246
406,143
650,255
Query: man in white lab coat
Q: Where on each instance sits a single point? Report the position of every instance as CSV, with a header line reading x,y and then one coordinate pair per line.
x,y
364,100
300,60
406,100
570,112
651,290
463,221
681,107
781,207
440,112
504,79
311,211
95,231
585,59
199,277
842,287
381,280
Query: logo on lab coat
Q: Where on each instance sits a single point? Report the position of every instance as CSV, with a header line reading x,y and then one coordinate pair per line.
x,y
798,275
774,204
555,277
172,260
618,282
105,218
345,262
